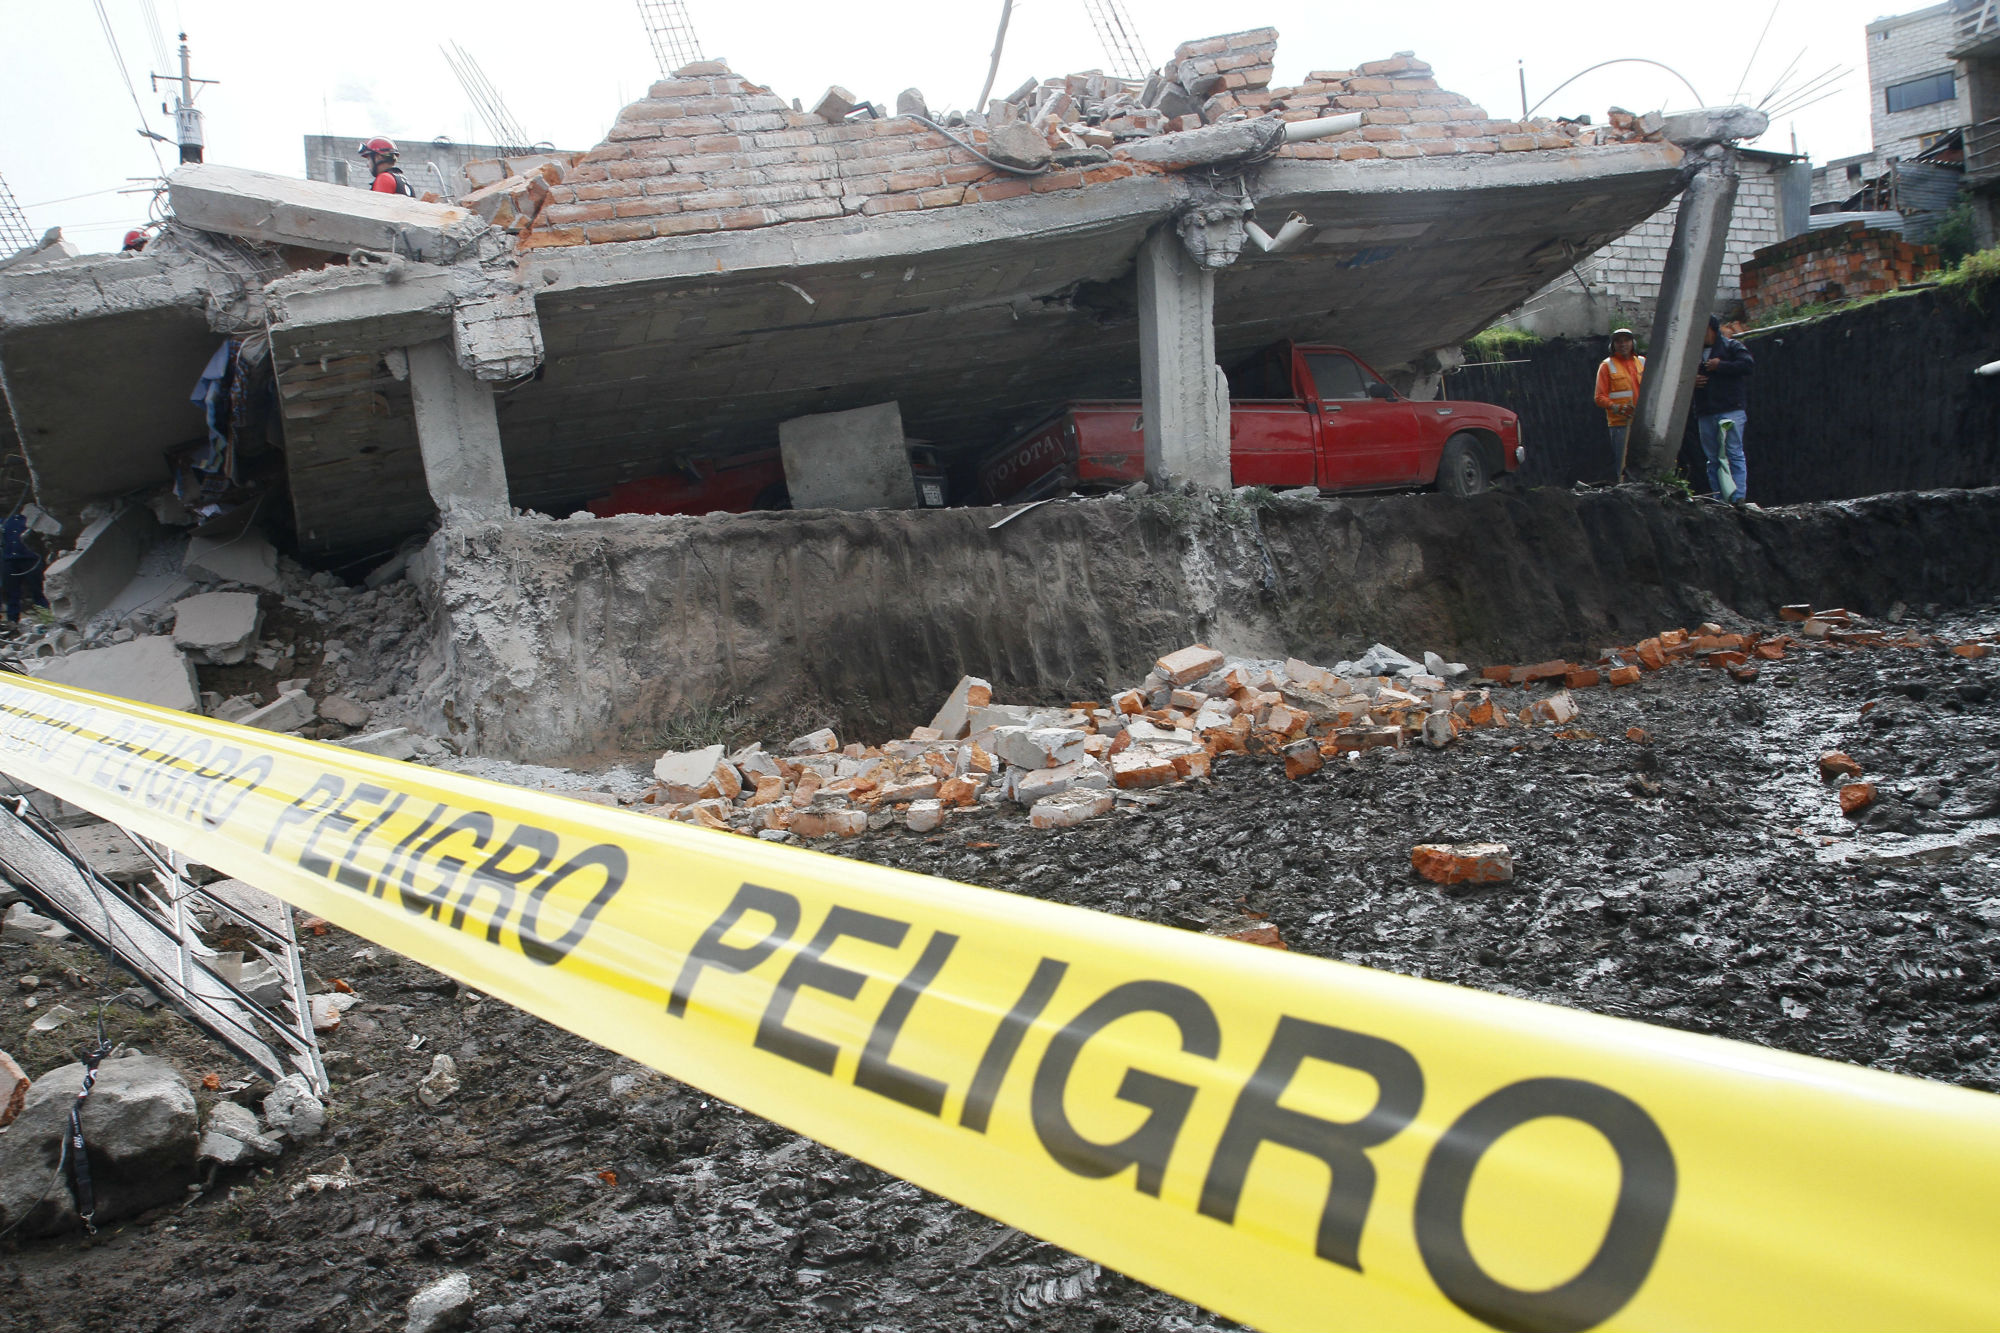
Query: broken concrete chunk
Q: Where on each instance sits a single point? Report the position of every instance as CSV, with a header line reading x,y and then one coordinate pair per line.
x,y
1018,144
1437,666
339,708
687,768
291,1111
247,558
854,460
149,669
445,1304
955,717
290,711
836,104
1070,808
924,816
1382,660
390,743
1188,665
1081,775
217,627
440,1084
822,741
234,1137
106,556
1038,747
142,1127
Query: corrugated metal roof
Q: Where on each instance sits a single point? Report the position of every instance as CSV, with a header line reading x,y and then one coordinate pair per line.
x,y
1923,192
1884,221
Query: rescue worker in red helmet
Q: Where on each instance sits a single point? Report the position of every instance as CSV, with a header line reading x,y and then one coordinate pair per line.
x,y
135,241
381,155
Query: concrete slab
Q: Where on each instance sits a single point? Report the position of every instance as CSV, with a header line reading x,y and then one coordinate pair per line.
x,y
848,460
149,669
248,557
217,627
281,210
111,852
292,710
105,558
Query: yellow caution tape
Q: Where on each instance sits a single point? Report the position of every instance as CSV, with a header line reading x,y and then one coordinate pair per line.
x,y
1295,1143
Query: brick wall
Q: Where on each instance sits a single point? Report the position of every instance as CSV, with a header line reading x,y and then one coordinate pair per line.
x,y
1831,264
708,151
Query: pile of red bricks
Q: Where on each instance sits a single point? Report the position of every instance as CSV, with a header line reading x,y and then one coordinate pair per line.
x,y
1403,111
1066,765
709,151
1833,264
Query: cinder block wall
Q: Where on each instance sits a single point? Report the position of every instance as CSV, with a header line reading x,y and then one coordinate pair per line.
x,y
1626,273
1881,398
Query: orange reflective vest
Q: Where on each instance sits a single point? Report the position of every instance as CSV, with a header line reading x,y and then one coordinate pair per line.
x,y
1618,388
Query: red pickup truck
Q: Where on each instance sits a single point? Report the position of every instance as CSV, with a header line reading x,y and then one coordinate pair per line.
x,y
1298,416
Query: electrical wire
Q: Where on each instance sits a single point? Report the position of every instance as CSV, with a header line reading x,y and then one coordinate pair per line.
x,y
112,38
70,199
1748,64
1621,60
161,52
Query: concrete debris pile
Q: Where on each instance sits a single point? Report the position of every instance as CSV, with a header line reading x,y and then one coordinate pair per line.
x,y
1069,764
177,615
707,150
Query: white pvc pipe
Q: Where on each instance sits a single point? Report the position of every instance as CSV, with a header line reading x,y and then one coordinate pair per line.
x,y
1298,131
1990,368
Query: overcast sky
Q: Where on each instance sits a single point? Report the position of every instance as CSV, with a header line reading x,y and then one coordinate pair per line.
x,y
362,67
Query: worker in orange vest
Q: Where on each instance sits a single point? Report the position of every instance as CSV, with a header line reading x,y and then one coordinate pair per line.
x,y
1618,379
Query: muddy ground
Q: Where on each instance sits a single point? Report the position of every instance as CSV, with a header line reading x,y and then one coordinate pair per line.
x,y
1705,880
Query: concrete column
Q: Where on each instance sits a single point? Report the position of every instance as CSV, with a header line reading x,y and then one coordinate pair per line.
x,y
458,433
1687,294
1185,398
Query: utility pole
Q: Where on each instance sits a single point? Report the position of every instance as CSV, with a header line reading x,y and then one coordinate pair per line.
x,y
187,119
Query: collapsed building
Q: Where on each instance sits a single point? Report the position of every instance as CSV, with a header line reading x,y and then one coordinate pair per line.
x,y
726,262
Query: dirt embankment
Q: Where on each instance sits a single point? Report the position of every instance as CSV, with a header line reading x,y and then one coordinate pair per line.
x,y
565,638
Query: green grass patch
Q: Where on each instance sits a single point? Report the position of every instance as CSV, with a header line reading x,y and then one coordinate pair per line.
x,y
1973,276
1500,343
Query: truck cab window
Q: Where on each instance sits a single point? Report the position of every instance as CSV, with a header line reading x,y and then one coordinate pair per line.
x,y
1266,375
1336,376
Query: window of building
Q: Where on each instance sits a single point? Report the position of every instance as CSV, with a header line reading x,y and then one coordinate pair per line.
x,y
1927,91
1854,171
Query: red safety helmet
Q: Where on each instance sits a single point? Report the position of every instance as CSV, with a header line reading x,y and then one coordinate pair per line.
x,y
378,147
135,240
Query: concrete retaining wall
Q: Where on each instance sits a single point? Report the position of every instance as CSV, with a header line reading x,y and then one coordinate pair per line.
x,y
1879,398
556,639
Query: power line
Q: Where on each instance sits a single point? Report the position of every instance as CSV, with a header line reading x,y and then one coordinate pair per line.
x,y
111,37
162,53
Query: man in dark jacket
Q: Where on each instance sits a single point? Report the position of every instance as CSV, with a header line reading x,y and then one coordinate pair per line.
x,y
1721,398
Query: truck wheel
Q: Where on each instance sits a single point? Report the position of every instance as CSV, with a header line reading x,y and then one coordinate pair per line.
x,y
1462,469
